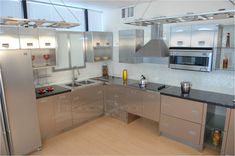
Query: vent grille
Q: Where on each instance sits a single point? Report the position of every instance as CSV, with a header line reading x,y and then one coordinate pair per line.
x,y
127,12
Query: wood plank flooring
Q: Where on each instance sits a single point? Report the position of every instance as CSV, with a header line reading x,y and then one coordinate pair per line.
x,y
108,136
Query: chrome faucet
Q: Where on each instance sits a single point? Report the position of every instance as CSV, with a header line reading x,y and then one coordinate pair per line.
x,y
75,75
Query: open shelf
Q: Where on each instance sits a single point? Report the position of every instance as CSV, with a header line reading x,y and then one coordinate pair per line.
x,y
215,121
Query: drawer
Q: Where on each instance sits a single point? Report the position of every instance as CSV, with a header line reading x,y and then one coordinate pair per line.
x,y
181,129
180,108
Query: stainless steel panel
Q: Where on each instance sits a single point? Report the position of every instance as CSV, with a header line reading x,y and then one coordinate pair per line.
x,y
9,38
4,149
20,100
130,41
47,38
29,38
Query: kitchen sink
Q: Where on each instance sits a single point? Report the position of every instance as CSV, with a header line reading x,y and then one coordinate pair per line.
x,y
85,82
73,85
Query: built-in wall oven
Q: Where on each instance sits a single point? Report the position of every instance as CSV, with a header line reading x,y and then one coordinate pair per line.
x,y
198,59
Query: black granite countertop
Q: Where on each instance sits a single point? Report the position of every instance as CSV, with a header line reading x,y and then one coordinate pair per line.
x,y
57,90
213,98
115,80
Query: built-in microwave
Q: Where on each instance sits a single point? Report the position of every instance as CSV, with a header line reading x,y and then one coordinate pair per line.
x,y
197,59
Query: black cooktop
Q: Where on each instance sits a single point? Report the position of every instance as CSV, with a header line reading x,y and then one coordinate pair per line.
x,y
150,86
50,91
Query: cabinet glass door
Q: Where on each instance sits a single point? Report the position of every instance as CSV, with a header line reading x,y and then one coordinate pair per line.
x,y
77,49
62,53
203,35
180,36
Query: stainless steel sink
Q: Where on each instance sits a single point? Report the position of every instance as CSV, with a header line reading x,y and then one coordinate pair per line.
x,y
85,82
73,85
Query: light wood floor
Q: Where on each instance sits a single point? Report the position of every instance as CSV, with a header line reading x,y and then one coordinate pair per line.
x,y
108,136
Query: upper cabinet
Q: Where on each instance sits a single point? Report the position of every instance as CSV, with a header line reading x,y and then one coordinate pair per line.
x,y
47,38
77,49
70,50
180,36
99,46
9,38
205,35
130,41
29,38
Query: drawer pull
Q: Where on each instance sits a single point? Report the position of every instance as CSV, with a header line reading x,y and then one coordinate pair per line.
x,y
29,44
191,133
201,42
180,42
5,45
195,112
47,44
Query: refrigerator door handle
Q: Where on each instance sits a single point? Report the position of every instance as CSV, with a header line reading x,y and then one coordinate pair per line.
x,y
5,115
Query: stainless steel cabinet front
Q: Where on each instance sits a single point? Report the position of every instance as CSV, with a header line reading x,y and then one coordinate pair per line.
x,y
151,106
181,129
87,103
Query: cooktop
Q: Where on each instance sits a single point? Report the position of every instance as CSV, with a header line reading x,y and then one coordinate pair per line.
x,y
150,86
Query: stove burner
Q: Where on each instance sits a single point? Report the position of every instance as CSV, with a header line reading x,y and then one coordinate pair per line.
x,y
50,89
41,91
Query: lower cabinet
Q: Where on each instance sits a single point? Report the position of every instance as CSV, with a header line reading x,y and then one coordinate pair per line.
x,y
120,100
115,103
228,147
151,106
183,120
181,129
54,114
87,103
135,102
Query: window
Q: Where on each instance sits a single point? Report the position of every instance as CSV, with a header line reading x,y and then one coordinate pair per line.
x,y
11,8
127,12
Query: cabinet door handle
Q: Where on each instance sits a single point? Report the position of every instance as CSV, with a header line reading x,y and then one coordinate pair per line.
x,y
191,133
201,42
195,112
180,42
5,45
29,44
47,44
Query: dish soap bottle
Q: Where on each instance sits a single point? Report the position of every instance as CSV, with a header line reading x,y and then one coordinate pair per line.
x,y
225,62
124,75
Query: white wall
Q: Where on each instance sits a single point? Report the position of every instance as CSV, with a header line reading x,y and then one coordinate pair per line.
x,y
91,70
217,81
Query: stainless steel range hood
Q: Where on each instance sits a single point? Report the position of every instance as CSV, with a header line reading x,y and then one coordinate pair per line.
x,y
156,47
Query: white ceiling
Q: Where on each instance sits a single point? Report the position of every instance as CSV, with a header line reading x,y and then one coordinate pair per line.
x,y
106,4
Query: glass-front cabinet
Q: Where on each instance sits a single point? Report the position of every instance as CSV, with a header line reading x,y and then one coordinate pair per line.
x,y
99,46
180,36
203,35
70,52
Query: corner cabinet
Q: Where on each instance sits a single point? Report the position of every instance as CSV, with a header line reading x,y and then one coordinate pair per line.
x,y
99,46
87,103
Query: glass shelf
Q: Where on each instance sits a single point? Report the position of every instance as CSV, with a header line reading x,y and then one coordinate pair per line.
x,y
215,121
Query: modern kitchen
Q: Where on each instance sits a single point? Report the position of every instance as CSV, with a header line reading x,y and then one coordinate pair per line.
x,y
115,77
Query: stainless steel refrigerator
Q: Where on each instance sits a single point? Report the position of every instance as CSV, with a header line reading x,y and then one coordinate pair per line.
x,y
20,133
